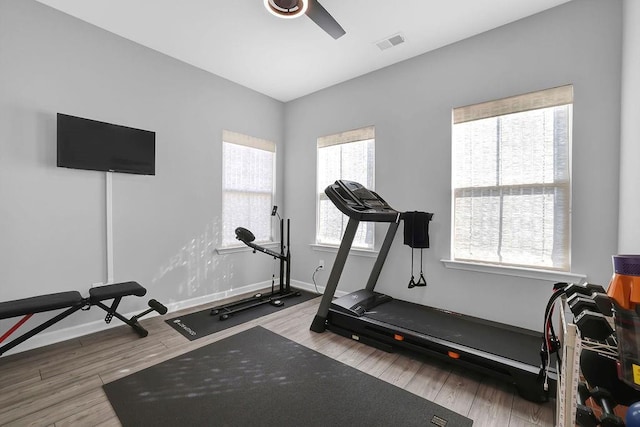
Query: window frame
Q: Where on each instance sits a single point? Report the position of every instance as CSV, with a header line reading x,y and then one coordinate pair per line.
x,y
363,134
235,138
537,100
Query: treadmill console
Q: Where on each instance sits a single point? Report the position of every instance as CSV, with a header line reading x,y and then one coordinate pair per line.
x,y
356,201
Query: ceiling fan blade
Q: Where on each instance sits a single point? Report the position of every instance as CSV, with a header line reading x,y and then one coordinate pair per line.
x,y
324,20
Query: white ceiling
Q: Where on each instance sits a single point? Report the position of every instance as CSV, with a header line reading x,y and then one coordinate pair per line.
x,y
288,58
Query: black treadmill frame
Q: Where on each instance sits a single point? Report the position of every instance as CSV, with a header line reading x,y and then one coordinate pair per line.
x,y
526,378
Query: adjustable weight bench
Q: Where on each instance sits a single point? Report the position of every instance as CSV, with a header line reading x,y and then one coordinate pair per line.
x,y
72,301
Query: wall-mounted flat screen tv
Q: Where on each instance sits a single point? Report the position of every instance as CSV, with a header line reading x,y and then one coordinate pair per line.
x,y
93,145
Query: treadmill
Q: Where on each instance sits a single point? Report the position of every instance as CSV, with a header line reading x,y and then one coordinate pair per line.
x,y
376,319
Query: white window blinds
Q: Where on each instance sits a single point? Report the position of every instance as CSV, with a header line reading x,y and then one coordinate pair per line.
x,y
248,177
511,180
347,155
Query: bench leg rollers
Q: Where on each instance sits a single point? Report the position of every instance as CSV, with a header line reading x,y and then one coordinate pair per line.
x,y
153,306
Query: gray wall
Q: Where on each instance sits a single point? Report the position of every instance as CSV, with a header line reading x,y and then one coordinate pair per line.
x,y
629,230
52,235
410,105
52,220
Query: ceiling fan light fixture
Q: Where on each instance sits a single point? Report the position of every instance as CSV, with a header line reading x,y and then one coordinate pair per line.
x,y
287,8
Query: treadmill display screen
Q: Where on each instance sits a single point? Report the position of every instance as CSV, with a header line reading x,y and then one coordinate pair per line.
x,y
358,202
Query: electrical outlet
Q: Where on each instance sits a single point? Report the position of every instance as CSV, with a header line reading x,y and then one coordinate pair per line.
x,y
321,264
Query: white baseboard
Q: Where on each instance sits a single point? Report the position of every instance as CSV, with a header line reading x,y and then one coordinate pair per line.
x,y
52,337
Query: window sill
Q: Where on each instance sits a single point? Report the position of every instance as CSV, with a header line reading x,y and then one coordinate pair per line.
x,y
530,273
334,249
243,248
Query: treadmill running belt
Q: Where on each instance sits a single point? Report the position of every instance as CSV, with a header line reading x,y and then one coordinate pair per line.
x,y
513,343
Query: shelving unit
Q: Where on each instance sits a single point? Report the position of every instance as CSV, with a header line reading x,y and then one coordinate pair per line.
x,y
568,370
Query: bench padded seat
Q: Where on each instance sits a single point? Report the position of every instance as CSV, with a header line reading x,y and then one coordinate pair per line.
x,y
101,293
21,307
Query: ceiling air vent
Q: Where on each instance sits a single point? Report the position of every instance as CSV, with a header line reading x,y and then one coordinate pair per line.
x,y
391,41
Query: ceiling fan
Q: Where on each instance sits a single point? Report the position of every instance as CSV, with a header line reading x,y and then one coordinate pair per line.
x,y
313,9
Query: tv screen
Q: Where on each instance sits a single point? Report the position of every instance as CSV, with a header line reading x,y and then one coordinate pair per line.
x,y
93,145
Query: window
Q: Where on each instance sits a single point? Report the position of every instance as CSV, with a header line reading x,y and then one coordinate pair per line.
x,y
351,156
511,180
248,177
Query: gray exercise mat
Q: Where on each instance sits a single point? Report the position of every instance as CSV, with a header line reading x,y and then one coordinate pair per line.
x,y
259,378
202,323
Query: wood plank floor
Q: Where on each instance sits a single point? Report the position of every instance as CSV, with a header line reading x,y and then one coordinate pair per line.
x,y
61,385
